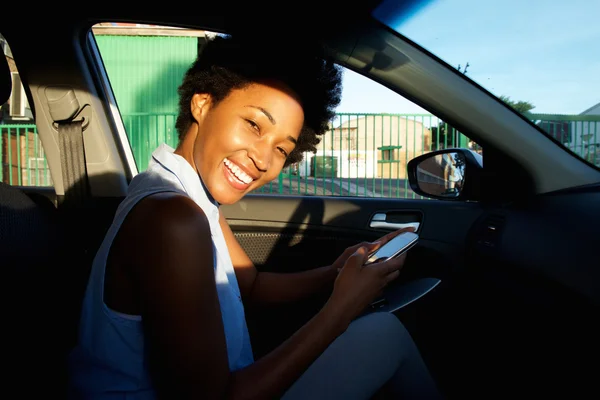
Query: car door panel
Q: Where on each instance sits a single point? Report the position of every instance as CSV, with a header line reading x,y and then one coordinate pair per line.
x,y
443,225
287,234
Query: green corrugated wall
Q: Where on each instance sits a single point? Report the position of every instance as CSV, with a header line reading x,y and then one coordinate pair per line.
x,y
145,72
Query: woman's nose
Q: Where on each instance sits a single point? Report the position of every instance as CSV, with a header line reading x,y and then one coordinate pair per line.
x,y
261,155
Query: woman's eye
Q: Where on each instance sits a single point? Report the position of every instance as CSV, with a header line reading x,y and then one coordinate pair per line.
x,y
253,124
282,151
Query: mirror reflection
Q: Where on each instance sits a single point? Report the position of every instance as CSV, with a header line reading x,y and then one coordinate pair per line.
x,y
442,175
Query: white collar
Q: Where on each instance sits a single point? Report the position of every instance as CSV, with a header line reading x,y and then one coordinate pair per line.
x,y
187,177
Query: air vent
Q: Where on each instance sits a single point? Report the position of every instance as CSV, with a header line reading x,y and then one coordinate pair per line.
x,y
491,230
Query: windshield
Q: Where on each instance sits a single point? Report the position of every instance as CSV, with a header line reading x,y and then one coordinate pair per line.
x,y
541,57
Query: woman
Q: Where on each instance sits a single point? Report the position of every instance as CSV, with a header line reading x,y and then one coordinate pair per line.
x,y
163,314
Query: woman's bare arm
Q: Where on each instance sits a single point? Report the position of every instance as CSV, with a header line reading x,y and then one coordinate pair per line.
x,y
171,259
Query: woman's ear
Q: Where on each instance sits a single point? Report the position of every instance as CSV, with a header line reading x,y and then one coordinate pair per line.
x,y
199,105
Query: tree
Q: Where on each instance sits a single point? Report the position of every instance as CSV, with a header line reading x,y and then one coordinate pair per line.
x,y
464,71
520,106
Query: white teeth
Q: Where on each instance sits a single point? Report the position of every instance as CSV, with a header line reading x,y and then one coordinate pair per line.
x,y
241,175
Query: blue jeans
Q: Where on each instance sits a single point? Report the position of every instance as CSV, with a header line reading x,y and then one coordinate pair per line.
x,y
375,353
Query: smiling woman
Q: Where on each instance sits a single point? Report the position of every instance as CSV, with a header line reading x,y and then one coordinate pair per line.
x,y
163,314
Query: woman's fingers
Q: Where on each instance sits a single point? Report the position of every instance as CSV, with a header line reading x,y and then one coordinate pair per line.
x,y
358,258
390,265
368,245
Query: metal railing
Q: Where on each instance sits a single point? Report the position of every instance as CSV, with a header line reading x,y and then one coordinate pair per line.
x,y
361,155
365,155
578,133
23,162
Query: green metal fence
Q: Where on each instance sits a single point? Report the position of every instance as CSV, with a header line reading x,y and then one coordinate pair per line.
x,y
23,161
578,133
365,155
361,155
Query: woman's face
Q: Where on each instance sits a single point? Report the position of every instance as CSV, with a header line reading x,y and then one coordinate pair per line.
x,y
242,143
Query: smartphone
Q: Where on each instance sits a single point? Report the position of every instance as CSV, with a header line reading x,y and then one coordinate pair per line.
x,y
395,247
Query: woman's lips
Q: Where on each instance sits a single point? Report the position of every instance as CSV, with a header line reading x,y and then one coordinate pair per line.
x,y
233,180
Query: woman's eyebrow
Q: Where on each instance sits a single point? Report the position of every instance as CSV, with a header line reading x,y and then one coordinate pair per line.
x,y
267,114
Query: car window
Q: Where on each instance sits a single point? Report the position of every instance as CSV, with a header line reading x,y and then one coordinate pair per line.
x,y
23,162
364,153
539,57
373,136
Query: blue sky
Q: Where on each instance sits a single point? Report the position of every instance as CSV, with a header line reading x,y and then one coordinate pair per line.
x,y
545,52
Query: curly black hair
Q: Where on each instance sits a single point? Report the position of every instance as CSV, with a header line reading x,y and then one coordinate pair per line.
x,y
234,62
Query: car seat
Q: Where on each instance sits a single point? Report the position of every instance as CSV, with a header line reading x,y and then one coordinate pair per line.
x,y
37,264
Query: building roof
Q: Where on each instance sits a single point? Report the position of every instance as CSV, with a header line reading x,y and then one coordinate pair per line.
x,y
593,110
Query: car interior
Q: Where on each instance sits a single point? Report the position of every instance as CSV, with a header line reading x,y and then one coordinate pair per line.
x,y
501,292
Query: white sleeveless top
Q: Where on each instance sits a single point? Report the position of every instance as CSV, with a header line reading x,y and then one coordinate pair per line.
x,y
109,360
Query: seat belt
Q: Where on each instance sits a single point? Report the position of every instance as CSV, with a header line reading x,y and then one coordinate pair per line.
x,y
72,160
70,121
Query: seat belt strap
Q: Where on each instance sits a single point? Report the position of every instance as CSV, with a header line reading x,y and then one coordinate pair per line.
x,y
70,121
72,159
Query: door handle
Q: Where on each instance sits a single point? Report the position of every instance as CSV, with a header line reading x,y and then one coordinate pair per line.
x,y
379,221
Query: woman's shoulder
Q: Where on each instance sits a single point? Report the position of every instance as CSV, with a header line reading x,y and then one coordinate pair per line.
x,y
166,211
162,227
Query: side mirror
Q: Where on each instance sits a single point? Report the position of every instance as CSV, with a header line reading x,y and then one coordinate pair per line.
x,y
449,174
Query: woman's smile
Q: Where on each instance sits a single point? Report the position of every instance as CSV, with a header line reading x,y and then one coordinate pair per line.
x,y
235,176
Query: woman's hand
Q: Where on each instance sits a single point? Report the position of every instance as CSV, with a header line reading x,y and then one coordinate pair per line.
x,y
357,285
369,246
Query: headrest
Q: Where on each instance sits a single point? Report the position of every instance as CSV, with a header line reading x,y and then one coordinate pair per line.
x,y
5,80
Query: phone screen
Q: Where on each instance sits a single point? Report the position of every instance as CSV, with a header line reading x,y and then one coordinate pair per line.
x,y
395,247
